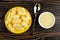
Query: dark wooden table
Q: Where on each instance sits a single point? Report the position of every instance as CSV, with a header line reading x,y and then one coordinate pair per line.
x,y
39,33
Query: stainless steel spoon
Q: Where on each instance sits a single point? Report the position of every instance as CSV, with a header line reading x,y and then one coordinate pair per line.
x,y
36,9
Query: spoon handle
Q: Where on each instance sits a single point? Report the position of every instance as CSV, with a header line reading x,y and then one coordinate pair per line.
x,y
34,24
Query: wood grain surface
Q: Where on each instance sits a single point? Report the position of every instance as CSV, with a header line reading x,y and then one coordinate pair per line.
x,y
39,33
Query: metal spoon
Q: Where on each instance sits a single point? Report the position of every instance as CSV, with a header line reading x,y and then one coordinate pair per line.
x,y
36,9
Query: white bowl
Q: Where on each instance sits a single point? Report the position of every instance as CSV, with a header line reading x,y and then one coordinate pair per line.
x,y
43,25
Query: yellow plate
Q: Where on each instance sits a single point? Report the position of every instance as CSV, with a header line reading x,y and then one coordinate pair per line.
x,y
18,20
